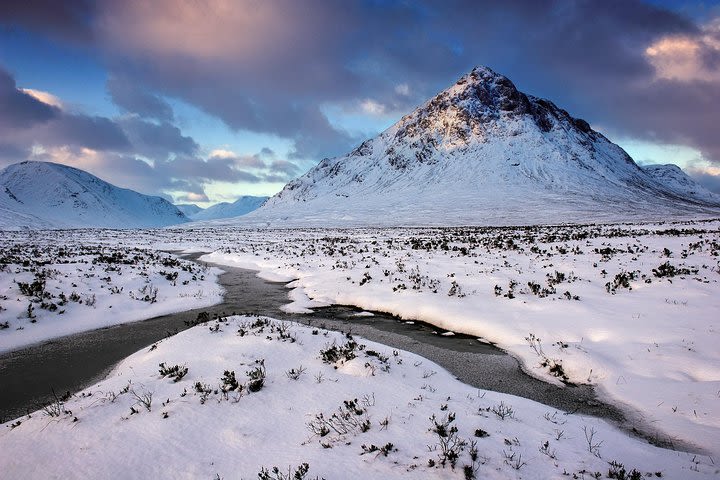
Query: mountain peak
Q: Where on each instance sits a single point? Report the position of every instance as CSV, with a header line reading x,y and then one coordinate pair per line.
x,y
482,97
489,87
50,195
483,152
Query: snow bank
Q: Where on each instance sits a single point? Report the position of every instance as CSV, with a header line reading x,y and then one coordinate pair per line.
x,y
631,309
363,412
49,290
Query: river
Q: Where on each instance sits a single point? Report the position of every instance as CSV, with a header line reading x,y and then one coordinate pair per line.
x,y
29,376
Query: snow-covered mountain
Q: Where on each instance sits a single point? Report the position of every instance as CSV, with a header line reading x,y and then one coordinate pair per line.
x,y
189,209
241,206
482,152
49,195
672,177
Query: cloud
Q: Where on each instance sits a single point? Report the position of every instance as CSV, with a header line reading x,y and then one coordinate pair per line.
x,y
20,109
156,140
10,153
240,63
402,89
83,130
271,67
222,153
69,19
193,197
45,97
148,155
283,166
28,119
688,58
371,107
708,177
246,161
126,94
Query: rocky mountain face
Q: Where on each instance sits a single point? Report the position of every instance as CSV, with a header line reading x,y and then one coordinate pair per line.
x,y
49,195
484,153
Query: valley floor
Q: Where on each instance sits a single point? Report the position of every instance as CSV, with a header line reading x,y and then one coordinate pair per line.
x,y
630,309
55,285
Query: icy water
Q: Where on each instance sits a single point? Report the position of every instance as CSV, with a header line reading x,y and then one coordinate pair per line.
x,y
69,364
28,376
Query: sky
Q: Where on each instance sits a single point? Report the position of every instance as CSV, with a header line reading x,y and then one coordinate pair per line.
x,y
202,101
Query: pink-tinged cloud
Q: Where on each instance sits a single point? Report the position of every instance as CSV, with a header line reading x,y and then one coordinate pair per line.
x,y
275,66
27,119
707,176
688,58
45,97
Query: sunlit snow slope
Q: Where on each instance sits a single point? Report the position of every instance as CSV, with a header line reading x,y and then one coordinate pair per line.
x,y
481,152
48,195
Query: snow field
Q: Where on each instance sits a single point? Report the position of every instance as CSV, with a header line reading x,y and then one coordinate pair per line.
x,y
632,310
50,289
197,427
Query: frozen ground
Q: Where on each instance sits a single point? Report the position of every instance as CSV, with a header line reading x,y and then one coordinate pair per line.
x,y
270,394
630,309
53,285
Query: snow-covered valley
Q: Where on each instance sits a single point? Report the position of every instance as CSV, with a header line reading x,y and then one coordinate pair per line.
x,y
281,395
628,308
55,286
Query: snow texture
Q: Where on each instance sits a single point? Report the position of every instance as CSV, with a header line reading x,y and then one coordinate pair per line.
x,y
372,413
49,195
630,309
55,287
673,178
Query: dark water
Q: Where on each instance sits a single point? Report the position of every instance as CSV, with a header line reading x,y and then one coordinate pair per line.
x,y
29,376
71,363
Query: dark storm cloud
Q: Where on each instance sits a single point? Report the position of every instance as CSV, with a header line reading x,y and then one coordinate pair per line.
x,y
212,169
110,148
70,19
707,180
156,140
11,154
271,76
274,178
129,97
98,133
271,67
25,120
668,113
18,109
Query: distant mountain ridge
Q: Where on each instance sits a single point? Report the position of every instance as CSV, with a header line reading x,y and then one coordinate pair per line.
x,y
243,205
188,209
484,153
672,177
50,195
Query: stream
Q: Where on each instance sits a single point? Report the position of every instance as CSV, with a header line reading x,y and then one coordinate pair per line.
x,y
29,376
